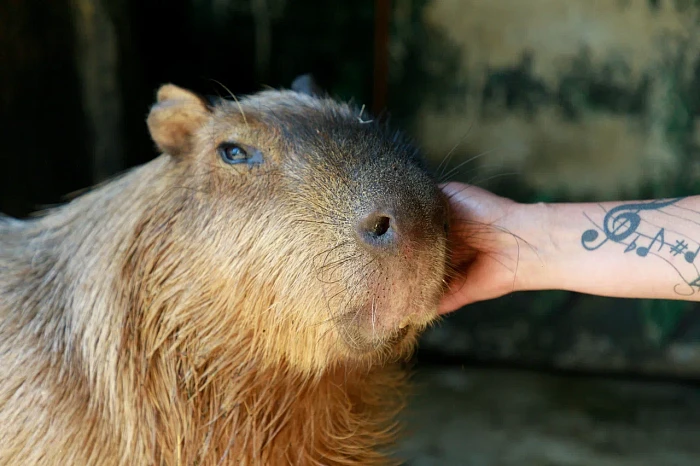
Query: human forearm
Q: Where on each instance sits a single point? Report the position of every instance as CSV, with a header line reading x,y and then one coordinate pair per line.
x,y
623,249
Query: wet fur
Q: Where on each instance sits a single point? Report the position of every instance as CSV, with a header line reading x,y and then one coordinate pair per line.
x,y
194,313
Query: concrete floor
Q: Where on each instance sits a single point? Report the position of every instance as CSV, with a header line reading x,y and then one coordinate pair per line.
x,y
479,417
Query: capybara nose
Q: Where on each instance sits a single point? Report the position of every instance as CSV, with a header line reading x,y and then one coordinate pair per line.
x,y
377,229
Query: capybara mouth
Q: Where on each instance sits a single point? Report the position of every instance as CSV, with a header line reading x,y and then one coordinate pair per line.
x,y
369,342
400,335
397,337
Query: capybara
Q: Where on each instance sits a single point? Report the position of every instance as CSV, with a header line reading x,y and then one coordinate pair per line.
x,y
246,297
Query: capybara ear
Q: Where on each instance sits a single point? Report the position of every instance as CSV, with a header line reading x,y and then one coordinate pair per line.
x,y
306,84
175,117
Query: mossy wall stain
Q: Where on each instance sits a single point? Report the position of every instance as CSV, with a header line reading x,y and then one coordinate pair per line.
x,y
579,99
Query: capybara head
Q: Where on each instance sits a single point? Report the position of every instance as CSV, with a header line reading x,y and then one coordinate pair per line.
x,y
291,223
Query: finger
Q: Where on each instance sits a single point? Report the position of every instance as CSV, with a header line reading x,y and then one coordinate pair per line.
x,y
451,303
456,297
456,189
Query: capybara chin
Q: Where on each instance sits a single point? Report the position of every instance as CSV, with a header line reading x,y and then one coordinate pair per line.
x,y
244,298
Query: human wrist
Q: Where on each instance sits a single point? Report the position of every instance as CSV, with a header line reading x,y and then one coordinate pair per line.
x,y
541,241
567,265
532,227
563,263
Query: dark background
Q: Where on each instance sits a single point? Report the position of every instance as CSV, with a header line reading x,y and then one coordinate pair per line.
x,y
55,112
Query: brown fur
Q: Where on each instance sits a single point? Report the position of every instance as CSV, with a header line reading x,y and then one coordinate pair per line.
x,y
197,313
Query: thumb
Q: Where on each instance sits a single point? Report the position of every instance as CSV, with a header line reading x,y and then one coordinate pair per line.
x,y
456,296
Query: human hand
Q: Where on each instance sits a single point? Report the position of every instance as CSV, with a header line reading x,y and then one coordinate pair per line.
x,y
491,245
498,246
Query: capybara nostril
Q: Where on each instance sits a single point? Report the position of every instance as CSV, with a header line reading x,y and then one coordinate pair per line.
x,y
377,229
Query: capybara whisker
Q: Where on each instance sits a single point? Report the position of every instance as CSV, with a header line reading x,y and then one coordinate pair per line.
x,y
476,181
444,163
461,164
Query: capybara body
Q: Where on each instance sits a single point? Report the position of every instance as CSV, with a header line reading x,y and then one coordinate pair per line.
x,y
241,299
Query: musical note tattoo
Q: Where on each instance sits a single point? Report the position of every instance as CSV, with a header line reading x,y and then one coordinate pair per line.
x,y
690,256
621,222
624,225
643,251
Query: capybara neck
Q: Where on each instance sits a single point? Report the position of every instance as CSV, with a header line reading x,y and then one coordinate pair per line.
x,y
241,299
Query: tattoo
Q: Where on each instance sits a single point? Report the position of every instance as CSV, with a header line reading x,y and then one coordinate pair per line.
x,y
624,223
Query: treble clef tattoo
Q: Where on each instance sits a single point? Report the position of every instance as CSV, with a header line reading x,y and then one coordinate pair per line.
x,y
621,222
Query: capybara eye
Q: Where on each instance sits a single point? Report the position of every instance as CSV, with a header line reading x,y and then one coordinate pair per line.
x,y
232,153
381,226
